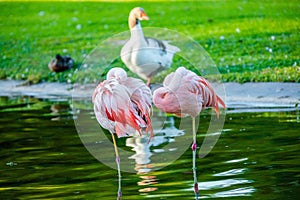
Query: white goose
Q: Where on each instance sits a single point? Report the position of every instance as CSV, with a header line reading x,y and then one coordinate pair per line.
x,y
142,55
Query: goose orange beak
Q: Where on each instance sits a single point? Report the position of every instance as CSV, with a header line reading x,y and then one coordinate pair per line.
x,y
144,16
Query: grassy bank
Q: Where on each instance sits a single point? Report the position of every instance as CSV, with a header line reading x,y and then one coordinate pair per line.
x,y
248,40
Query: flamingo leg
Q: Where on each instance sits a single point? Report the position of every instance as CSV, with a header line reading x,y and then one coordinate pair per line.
x,y
118,165
194,147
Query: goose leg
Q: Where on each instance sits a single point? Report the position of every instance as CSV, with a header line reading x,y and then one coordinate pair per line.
x,y
194,147
149,81
118,166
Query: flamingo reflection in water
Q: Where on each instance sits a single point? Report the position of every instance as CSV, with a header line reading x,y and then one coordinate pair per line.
x,y
144,151
122,105
184,93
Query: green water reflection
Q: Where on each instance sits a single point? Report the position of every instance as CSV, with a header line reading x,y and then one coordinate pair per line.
x,y
42,157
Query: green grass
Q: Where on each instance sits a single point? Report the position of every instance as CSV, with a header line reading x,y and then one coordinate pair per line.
x,y
248,40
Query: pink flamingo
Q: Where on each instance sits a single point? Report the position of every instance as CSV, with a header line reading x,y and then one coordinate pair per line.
x,y
186,94
122,105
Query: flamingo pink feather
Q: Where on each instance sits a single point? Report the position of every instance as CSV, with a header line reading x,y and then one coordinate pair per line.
x,y
122,104
185,93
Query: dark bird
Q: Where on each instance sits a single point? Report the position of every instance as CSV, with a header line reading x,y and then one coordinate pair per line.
x,y
61,63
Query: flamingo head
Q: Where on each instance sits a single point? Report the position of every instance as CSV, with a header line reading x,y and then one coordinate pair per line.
x,y
167,101
178,96
117,73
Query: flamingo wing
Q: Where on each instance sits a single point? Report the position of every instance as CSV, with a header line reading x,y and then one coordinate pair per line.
x,y
207,94
114,109
141,99
203,90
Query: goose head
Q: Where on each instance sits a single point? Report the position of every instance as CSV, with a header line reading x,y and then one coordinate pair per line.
x,y
136,14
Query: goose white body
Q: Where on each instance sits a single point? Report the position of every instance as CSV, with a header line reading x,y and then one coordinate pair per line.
x,y
145,56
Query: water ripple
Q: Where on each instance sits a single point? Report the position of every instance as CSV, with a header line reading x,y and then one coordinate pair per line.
x,y
222,183
232,172
236,160
245,191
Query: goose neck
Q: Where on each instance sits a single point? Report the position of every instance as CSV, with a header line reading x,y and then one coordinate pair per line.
x,y
137,31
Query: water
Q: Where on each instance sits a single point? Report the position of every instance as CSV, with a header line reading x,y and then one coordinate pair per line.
x,y
43,157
